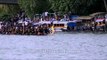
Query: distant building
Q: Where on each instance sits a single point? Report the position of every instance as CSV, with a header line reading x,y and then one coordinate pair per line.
x,y
8,1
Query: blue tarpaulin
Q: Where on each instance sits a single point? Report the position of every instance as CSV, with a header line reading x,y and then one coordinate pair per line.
x,y
71,24
74,16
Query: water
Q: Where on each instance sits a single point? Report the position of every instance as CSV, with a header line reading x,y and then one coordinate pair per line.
x,y
59,46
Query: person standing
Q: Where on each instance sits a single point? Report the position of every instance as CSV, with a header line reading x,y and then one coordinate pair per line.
x,y
52,28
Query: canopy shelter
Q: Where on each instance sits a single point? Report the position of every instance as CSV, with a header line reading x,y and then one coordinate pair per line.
x,y
97,13
98,16
84,18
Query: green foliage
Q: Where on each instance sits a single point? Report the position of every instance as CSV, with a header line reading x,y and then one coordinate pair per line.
x,y
61,5
82,7
5,17
32,7
7,10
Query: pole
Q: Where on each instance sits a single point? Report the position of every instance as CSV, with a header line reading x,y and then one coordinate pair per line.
x,y
105,4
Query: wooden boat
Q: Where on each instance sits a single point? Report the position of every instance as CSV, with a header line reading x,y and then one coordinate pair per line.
x,y
58,25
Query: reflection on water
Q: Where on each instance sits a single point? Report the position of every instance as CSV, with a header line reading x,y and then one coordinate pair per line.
x,y
59,46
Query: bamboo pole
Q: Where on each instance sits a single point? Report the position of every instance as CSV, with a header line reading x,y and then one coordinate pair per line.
x,y
105,4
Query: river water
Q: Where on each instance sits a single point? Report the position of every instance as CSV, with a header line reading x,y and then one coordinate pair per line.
x,y
59,46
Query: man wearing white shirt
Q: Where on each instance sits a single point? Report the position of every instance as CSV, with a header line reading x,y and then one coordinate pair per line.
x,y
0,27
46,14
26,23
20,21
106,17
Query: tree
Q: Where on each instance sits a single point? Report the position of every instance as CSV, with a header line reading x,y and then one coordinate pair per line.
x,y
8,9
32,7
61,5
81,7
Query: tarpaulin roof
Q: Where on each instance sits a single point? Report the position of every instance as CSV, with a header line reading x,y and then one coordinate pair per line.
x,y
84,18
97,13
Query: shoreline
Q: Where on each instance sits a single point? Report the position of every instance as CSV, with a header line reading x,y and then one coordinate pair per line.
x,y
59,33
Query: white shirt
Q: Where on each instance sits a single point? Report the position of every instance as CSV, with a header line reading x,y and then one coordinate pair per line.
x,y
0,26
46,13
106,16
26,23
20,21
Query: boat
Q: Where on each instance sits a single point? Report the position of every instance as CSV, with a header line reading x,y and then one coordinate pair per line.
x,y
58,25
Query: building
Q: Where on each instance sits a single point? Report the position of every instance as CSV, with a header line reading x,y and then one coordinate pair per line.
x,y
8,1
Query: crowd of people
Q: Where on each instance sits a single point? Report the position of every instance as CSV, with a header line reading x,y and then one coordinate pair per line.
x,y
22,29
23,25
20,24
90,26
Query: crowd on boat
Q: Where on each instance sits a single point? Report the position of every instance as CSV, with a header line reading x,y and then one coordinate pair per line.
x,y
88,27
20,24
